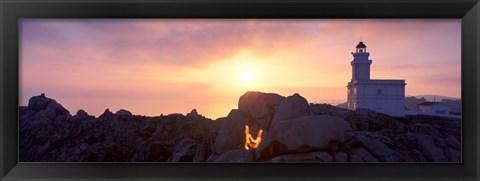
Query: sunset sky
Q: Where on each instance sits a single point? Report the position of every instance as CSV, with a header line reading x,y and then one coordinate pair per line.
x,y
153,67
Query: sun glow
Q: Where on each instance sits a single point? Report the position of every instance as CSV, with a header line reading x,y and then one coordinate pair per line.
x,y
247,77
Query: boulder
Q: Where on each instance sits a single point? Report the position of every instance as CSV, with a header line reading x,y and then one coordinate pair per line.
x,y
184,151
230,156
303,158
200,153
123,112
327,109
259,108
57,108
46,107
453,142
424,129
454,155
361,155
372,142
193,116
107,114
232,133
428,147
292,107
341,157
38,103
143,152
303,135
82,114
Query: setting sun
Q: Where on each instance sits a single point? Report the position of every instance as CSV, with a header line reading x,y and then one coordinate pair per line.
x,y
247,77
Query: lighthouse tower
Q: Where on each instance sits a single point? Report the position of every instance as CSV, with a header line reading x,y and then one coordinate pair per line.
x,y
361,63
381,95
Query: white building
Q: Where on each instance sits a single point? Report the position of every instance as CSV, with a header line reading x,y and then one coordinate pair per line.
x,y
385,96
435,108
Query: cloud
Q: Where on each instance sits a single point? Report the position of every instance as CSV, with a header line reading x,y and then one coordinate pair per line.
x,y
186,42
123,60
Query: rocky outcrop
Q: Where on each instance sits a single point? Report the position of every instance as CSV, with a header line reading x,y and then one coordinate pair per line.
x,y
123,112
306,134
232,133
49,133
293,131
259,108
292,107
184,151
303,158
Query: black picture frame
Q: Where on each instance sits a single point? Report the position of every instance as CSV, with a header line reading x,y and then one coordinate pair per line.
x,y
466,10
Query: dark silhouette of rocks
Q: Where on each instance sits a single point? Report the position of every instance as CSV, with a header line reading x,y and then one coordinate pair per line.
x,y
304,134
259,108
49,133
294,131
123,112
294,106
232,133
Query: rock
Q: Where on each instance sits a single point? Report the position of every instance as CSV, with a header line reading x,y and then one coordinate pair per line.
x,y
231,134
47,132
46,107
341,157
371,141
123,112
418,155
212,157
57,108
343,105
184,151
45,113
355,159
259,108
292,107
200,153
142,153
428,147
159,152
358,154
424,129
303,135
38,103
327,109
454,155
303,158
81,113
193,115
453,142
107,114
368,120
230,156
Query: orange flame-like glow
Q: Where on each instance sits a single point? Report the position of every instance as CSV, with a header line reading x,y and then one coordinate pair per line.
x,y
249,141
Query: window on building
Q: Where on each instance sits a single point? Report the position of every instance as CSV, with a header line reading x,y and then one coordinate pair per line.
x,y
379,91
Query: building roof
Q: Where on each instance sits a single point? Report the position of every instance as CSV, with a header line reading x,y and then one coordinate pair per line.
x,y
361,45
431,103
379,82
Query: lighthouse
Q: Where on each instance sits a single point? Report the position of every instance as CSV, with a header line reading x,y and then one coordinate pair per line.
x,y
382,95
361,63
